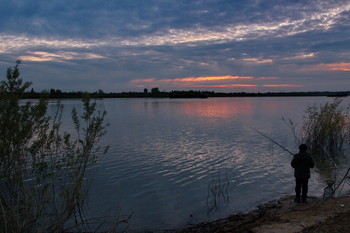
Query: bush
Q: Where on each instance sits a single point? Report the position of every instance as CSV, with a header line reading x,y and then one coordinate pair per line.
x,y
326,129
42,169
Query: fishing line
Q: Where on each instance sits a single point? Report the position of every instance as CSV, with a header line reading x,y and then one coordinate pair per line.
x,y
292,127
264,135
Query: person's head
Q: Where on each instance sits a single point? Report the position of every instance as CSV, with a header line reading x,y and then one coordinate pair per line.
x,y
303,147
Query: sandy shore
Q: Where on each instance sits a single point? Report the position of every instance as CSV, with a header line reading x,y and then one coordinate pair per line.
x,y
283,215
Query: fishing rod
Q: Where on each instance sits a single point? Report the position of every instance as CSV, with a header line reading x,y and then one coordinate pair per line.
x,y
317,141
264,135
334,164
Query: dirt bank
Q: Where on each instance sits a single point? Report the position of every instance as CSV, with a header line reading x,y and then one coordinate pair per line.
x,y
283,215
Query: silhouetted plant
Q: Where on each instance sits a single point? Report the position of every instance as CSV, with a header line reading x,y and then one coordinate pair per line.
x,y
326,129
217,191
42,169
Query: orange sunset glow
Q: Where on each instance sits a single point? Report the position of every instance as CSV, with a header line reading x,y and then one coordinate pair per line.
x,y
282,85
227,85
234,46
209,78
328,67
226,81
194,79
146,80
339,66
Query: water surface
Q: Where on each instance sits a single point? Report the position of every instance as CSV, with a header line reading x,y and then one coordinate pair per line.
x,y
174,162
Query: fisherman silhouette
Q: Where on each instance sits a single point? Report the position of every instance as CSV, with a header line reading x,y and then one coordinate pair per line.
x,y
302,162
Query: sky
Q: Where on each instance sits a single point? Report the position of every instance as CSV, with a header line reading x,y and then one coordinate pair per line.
x,y
207,45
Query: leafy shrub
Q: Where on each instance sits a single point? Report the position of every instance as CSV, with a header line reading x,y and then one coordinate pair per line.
x,y
42,184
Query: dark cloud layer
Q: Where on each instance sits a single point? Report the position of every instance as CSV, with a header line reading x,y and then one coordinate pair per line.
x,y
281,45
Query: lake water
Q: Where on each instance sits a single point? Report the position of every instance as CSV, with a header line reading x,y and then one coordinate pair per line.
x,y
174,162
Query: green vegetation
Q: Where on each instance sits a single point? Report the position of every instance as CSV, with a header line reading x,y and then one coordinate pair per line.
x,y
326,129
42,170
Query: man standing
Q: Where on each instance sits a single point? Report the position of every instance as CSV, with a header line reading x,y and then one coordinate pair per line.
x,y
302,162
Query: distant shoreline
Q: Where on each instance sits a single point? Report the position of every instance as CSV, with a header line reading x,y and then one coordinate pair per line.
x,y
57,94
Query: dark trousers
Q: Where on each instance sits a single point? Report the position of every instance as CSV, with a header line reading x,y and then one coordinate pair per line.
x,y
301,187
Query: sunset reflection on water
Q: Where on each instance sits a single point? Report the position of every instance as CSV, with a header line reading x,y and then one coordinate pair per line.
x,y
165,153
217,109
239,108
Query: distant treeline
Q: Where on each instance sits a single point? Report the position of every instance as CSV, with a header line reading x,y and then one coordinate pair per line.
x,y
155,93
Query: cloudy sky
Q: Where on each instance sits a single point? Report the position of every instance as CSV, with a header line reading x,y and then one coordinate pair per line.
x,y
216,45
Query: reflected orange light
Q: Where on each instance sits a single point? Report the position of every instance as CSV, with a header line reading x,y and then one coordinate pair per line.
x,y
217,109
214,111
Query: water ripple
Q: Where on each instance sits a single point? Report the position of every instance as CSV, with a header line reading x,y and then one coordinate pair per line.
x,y
166,156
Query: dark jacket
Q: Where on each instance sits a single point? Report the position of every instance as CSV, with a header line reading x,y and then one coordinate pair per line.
x,y
302,162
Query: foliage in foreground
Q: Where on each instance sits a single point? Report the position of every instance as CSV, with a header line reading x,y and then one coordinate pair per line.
x,y
42,184
326,131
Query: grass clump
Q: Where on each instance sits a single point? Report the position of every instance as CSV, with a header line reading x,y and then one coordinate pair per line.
x,y
326,130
